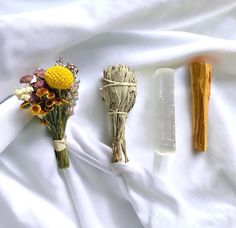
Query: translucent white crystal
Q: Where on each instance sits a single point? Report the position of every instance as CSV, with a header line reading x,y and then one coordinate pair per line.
x,y
165,109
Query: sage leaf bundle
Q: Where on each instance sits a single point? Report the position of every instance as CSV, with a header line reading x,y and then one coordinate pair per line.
x,y
118,91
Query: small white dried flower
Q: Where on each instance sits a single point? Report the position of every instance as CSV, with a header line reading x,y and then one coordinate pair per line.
x,y
28,89
18,93
24,93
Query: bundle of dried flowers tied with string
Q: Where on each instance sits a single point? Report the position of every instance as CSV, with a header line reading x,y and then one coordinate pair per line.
x,y
51,95
118,91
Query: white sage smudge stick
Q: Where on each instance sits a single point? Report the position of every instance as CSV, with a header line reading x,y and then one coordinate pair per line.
x,y
118,91
200,86
165,109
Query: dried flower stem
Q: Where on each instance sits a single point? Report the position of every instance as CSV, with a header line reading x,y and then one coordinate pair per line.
x,y
57,120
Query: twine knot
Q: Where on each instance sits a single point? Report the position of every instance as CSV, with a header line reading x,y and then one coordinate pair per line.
x,y
59,145
115,83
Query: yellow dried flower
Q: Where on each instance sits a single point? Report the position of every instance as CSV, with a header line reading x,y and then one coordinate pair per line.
x,y
43,122
35,109
50,95
59,77
42,113
49,103
25,105
58,102
42,92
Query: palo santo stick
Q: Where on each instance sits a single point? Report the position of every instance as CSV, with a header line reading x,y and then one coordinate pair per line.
x,y
200,87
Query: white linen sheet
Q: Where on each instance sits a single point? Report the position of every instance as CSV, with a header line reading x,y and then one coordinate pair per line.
x,y
184,190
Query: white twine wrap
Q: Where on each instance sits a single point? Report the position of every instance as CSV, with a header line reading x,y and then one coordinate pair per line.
x,y
116,112
59,145
115,83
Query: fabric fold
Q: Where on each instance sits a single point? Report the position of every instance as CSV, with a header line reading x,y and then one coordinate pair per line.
x,y
149,196
12,121
197,191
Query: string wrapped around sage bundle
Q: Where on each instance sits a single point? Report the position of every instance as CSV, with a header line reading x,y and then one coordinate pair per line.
x,y
51,95
118,91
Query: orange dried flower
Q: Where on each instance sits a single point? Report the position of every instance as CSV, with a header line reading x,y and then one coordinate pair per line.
x,y
42,92
43,122
49,109
35,109
50,95
49,103
58,102
25,105
42,113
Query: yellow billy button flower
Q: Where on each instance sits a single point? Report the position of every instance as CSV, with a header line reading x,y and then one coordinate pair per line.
x,y
35,109
42,92
59,77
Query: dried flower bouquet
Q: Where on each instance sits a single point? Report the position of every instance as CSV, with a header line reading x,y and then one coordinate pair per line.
x,y
51,95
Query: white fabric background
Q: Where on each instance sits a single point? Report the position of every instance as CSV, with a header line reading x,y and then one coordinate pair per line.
x,y
193,191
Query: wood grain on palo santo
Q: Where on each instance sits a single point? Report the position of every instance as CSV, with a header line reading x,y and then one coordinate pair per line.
x,y
201,73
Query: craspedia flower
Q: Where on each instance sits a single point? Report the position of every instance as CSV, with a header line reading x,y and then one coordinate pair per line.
x,y
35,109
59,77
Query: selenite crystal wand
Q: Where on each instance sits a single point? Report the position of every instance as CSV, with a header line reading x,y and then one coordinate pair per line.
x,y
165,108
